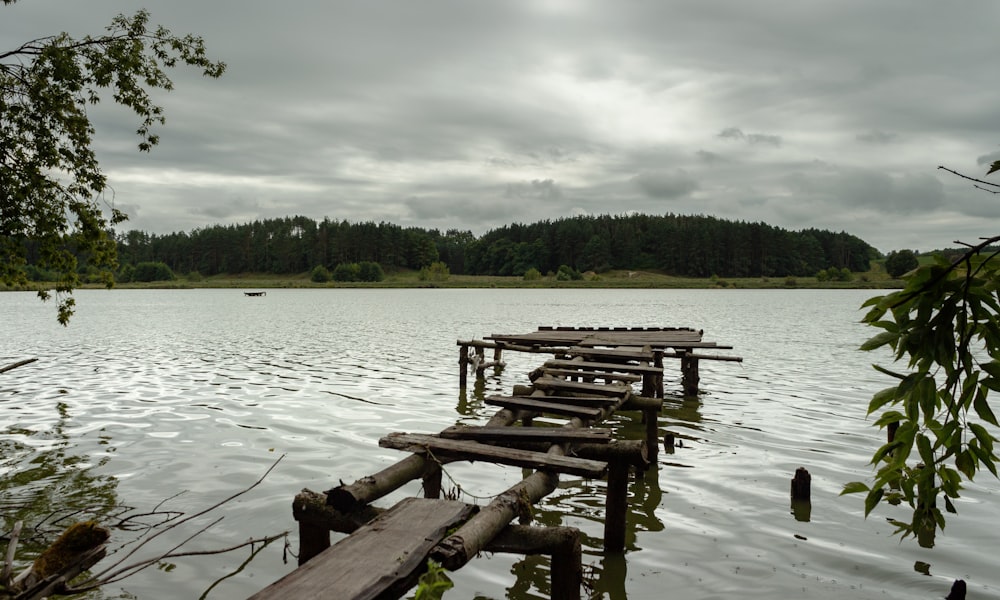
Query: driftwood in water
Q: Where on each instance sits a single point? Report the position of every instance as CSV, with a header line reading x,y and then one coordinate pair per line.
x,y
19,363
80,547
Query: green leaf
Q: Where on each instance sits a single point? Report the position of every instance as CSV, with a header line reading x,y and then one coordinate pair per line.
x,y
965,463
886,337
872,500
982,408
994,167
924,448
855,487
992,367
882,398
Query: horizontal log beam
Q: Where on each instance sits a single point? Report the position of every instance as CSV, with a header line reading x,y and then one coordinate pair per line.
x,y
590,374
469,450
552,435
703,356
602,366
553,383
542,405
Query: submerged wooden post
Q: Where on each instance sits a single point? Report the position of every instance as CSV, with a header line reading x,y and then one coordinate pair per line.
x,y
617,506
652,431
562,543
689,373
463,366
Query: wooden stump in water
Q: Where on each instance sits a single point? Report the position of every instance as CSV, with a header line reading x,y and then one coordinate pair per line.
x,y
957,591
801,484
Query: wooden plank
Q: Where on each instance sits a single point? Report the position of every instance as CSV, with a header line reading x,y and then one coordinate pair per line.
x,y
555,435
578,400
552,383
619,354
382,559
469,450
542,405
601,366
605,375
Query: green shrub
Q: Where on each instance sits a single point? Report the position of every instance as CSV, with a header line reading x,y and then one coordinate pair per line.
x,y
152,271
790,281
320,274
347,272
822,275
532,274
370,271
125,274
568,273
438,271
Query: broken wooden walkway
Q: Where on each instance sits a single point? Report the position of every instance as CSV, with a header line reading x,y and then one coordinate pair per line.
x,y
589,378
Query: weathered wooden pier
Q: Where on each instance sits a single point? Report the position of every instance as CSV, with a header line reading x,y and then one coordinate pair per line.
x,y
589,378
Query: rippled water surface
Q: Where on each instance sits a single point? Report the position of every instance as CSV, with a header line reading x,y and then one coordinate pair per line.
x,y
151,393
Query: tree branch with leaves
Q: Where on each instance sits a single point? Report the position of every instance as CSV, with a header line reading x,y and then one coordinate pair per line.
x,y
52,188
944,325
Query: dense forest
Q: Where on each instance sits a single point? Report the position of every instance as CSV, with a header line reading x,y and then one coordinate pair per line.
x,y
691,246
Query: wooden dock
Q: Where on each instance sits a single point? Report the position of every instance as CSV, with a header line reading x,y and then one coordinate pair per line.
x,y
589,378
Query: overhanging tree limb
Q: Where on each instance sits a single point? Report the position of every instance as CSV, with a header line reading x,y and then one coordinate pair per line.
x,y
51,185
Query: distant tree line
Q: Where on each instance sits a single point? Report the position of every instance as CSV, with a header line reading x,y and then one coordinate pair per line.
x,y
691,246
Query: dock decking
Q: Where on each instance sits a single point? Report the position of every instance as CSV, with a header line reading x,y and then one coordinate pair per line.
x,y
587,381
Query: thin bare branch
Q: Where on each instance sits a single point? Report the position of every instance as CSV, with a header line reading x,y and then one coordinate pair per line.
x,y
116,566
992,185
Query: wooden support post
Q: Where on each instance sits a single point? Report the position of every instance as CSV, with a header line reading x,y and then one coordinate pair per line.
x,y
567,571
658,377
432,481
316,521
562,543
480,362
463,366
617,507
498,363
312,540
652,433
689,373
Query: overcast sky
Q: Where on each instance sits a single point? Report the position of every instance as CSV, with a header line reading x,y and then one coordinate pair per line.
x,y
475,114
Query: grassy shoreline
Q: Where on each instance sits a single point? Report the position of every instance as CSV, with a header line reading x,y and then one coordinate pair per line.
x,y
611,279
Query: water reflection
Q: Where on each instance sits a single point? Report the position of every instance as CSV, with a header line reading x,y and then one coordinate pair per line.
x,y
47,487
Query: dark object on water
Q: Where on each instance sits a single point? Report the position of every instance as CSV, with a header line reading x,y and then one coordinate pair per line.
x,y
254,293
801,484
957,591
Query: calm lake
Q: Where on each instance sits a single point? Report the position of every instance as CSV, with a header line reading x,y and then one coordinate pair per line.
x,y
149,393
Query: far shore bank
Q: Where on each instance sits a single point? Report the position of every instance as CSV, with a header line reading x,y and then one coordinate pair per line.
x,y
611,279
